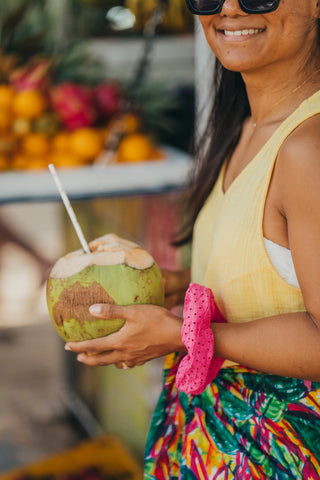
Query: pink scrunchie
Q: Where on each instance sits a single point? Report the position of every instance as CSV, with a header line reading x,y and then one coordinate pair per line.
x,y
199,367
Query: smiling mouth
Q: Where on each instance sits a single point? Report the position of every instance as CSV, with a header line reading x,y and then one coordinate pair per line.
x,y
242,33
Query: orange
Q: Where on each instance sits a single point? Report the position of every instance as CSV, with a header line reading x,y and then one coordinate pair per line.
x,y
60,142
131,122
104,133
5,119
128,122
65,160
135,147
158,154
20,160
29,104
86,143
35,144
7,144
6,96
29,162
4,162
37,162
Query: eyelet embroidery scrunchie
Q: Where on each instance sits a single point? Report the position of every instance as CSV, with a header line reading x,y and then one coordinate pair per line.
x,y
199,366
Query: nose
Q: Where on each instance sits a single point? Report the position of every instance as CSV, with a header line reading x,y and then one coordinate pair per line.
x,y
231,8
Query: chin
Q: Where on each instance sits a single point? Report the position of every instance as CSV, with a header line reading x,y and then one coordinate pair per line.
x,y
236,64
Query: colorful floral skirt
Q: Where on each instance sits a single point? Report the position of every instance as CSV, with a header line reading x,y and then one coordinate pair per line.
x,y
246,425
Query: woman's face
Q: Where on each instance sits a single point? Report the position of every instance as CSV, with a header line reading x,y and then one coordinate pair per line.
x,y
244,42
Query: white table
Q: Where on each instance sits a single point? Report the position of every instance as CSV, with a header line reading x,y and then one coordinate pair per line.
x,y
96,181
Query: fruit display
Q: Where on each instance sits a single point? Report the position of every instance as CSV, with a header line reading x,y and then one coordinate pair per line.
x,y
67,124
117,271
59,105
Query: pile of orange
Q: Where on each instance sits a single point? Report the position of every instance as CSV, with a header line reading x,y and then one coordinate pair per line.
x,y
135,145
64,149
24,145
138,147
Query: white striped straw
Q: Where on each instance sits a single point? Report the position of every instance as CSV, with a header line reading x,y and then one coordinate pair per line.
x,y
69,209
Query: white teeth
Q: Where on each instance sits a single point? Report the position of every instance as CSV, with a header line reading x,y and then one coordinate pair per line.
x,y
239,33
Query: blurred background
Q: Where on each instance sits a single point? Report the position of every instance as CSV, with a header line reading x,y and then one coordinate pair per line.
x,y
105,90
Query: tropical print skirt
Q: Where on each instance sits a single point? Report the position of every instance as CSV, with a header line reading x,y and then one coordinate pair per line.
x,y
246,425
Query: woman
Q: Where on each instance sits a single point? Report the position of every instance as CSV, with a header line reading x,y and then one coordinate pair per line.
x,y
255,223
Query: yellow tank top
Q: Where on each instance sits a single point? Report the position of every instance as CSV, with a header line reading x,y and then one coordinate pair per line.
x,y
228,253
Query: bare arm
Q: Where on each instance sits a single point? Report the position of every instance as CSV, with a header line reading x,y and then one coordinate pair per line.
x,y
286,345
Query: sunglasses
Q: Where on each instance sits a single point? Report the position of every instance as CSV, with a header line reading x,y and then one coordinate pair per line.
x,y
211,7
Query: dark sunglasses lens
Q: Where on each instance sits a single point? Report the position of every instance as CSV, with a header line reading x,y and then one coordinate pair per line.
x,y
206,5
260,5
254,6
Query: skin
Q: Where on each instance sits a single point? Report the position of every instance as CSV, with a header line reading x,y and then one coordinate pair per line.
x,y
279,64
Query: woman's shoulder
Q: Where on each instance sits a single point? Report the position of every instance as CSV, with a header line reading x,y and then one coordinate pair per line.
x,y
297,170
299,155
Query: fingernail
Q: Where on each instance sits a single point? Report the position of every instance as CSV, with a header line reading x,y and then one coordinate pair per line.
x,y
80,357
66,347
95,309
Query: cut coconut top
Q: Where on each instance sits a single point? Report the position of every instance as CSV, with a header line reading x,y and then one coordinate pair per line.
x,y
107,250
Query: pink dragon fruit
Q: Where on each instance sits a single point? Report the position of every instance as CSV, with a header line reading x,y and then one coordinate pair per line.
x,y
74,105
35,75
108,98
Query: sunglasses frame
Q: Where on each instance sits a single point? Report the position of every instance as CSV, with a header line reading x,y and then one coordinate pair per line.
x,y
196,11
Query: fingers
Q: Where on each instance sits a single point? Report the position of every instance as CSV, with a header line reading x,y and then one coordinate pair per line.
x,y
92,347
109,358
100,360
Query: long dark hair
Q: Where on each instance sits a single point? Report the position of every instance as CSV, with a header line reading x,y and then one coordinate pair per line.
x,y
229,109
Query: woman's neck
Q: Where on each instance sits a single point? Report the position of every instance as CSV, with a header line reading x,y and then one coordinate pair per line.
x,y
272,97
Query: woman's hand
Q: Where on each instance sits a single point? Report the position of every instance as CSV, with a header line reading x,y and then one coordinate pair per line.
x,y
176,284
149,332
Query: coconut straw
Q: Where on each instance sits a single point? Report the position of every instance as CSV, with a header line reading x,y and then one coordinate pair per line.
x,y
69,209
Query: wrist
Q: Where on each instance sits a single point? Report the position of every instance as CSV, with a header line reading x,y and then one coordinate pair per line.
x,y
219,332
185,279
174,333
183,284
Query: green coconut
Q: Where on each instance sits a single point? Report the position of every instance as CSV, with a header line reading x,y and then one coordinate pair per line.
x,y
116,271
